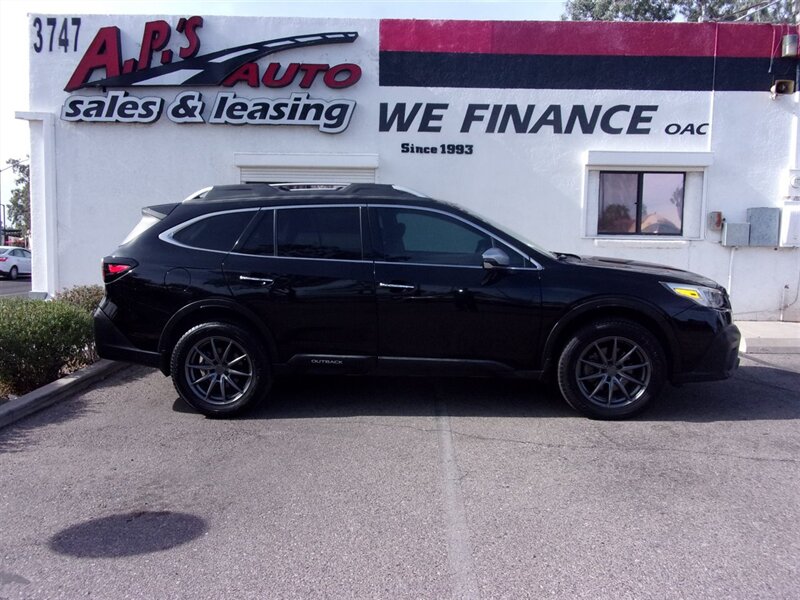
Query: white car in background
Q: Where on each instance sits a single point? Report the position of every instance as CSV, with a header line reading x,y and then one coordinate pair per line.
x,y
14,262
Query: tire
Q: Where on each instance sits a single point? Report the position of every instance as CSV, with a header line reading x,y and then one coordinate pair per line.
x,y
13,273
611,369
220,369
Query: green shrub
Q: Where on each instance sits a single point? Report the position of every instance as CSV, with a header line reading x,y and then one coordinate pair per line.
x,y
85,297
39,340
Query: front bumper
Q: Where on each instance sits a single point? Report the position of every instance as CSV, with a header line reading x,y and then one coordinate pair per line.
x,y
719,361
113,345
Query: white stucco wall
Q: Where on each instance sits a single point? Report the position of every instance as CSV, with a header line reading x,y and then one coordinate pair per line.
x,y
104,173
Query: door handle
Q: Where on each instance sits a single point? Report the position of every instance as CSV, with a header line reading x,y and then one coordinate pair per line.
x,y
261,280
397,286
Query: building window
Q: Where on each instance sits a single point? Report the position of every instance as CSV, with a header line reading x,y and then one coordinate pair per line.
x,y
646,203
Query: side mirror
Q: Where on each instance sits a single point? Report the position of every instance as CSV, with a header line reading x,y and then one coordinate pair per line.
x,y
495,258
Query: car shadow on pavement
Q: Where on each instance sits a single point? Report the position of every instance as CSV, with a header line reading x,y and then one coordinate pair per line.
x,y
756,392
128,534
337,396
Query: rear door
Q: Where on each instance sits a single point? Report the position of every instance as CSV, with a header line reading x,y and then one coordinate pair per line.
x,y
302,270
25,261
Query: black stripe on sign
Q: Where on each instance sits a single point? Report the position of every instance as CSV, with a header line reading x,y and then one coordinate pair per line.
x,y
517,71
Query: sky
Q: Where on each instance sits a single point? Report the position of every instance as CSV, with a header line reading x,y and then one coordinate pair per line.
x,y
15,36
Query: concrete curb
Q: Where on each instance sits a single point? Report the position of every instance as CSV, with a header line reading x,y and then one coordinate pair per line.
x,y
47,395
771,346
769,337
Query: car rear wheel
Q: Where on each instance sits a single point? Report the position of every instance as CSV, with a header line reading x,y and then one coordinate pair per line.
x,y
220,369
13,273
611,369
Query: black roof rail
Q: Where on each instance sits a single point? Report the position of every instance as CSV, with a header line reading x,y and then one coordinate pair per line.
x,y
255,191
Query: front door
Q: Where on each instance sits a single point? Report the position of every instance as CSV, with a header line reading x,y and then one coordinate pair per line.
x,y
437,301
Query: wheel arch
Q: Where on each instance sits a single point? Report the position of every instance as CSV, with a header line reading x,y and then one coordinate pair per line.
x,y
645,314
202,311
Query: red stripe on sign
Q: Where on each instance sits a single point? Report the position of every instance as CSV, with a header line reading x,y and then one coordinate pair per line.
x,y
580,38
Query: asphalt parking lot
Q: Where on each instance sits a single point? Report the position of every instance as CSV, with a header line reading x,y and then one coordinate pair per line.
x,y
18,287
415,488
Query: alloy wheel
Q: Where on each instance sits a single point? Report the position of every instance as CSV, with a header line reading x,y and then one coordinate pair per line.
x,y
218,370
613,371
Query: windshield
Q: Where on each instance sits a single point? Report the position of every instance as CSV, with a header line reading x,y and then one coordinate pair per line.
x,y
512,234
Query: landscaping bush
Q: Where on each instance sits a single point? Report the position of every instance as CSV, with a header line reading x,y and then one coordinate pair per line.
x,y
40,340
85,297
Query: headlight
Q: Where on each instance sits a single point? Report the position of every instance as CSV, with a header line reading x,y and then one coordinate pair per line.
x,y
705,296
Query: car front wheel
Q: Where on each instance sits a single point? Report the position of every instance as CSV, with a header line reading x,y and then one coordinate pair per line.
x,y
611,369
220,369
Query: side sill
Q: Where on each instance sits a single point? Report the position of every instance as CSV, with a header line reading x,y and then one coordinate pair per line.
x,y
336,364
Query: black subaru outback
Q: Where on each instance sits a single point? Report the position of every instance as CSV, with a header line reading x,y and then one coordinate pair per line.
x,y
238,284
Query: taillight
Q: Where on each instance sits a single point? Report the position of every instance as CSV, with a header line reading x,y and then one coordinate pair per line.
x,y
3,259
112,270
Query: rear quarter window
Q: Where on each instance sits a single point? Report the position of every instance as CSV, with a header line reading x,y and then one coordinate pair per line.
x,y
216,232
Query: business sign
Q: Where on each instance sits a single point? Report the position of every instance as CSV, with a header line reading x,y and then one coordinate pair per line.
x,y
222,68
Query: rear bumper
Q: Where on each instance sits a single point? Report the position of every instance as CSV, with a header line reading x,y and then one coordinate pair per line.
x,y
113,345
720,360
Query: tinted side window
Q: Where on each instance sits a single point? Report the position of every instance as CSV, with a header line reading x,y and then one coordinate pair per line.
x,y
217,232
262,239
333,233
408,235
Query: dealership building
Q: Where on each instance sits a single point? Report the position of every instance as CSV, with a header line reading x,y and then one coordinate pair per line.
x,y
674,143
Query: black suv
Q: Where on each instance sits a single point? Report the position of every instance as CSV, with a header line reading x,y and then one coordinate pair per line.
x,y
238,284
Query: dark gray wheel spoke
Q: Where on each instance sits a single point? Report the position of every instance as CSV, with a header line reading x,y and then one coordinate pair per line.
x,y
592,376
208,389
214,352
203,378
227,349
631,379
240,373
235,360
205,356
200,367
624,390
597,389
626,356
593,364
601,352
232,383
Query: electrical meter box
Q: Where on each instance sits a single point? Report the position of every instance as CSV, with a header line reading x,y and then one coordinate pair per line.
x,y
735,234
765,226
790,224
